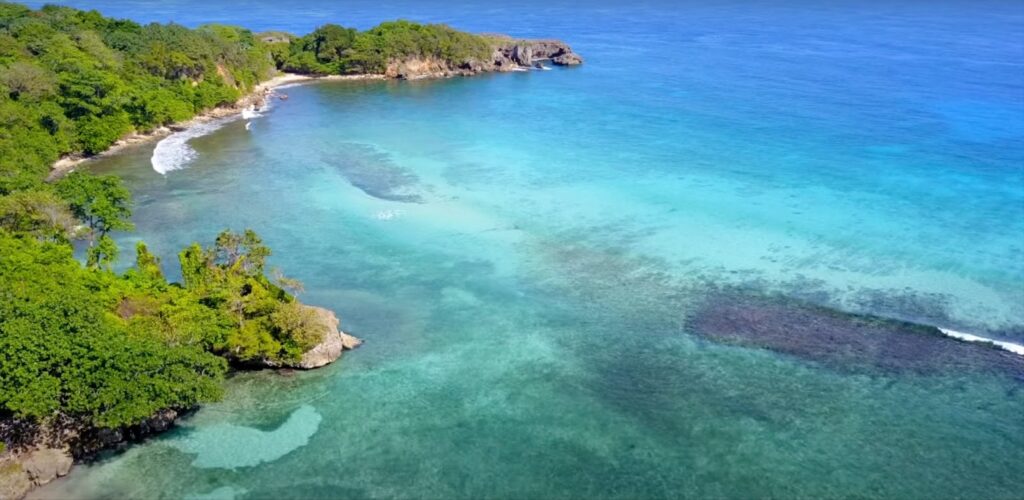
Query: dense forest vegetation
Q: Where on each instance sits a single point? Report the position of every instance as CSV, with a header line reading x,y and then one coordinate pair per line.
x,y
107,349
332,49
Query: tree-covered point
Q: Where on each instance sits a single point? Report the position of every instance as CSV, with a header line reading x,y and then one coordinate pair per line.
x,y
112,349
332,49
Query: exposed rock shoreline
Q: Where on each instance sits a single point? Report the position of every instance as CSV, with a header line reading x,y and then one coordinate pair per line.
x,y
41,454
328,350
508,55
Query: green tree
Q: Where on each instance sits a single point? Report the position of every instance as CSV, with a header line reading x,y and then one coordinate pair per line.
x,y
64,354
26,81
101,201
102,254
38,213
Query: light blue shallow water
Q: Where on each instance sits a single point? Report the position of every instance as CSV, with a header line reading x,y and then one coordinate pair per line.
x,y
526,254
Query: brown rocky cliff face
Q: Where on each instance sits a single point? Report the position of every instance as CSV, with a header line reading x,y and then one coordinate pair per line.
x,y
508,55
330,348
524,53
20,473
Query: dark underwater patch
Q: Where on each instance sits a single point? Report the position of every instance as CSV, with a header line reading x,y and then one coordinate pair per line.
x,y
375,173
843,341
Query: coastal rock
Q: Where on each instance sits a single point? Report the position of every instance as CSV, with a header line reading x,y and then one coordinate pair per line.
x,y
45,465
522,54
567,59
160,422
508,55
350,342
333,343
511,53
413,69
20,473
14,481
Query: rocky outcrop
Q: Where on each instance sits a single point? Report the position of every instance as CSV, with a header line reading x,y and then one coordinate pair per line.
x,y
330,348
417,68
20,473
508,55
567,59
47,464
523,53
14,481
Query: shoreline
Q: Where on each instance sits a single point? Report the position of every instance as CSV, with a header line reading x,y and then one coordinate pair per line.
x,y
54,451
262,91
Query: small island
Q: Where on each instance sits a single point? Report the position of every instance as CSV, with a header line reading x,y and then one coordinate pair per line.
x,y
94,358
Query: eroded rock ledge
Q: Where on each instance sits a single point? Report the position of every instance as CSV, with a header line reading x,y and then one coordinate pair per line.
x,y
330,348
508,54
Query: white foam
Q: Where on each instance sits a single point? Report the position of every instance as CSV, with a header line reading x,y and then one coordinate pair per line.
x,y
388,214
968,337
174,152
250,113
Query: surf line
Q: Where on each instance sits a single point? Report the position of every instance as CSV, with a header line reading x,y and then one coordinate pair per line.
x,y
967,337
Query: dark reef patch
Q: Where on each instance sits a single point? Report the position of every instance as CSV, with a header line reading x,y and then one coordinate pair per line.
x,y
842,341
375,173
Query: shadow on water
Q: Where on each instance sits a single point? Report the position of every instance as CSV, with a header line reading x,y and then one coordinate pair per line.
x,y
842,341
375,173
642,295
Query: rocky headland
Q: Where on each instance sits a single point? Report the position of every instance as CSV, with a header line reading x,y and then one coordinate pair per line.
x,y
508,54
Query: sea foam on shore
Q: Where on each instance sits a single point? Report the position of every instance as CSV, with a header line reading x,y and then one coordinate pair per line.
x,y
175,153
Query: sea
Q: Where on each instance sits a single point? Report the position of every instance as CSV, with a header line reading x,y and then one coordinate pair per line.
x,y
711,262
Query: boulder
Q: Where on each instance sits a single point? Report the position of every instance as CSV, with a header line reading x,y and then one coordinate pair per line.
x,y
510,54
46,464
14,482
333,343
350,342
522,54
567,59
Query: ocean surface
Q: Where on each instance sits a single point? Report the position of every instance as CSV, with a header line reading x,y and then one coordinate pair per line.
x,y
696,266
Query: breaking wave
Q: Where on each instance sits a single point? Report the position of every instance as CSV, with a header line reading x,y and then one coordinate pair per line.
x,y
968,337
174,152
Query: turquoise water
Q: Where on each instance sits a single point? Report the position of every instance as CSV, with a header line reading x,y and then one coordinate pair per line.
x,y
547,266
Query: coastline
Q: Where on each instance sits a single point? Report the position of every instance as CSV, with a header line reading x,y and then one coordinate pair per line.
x,y
262,91
50,452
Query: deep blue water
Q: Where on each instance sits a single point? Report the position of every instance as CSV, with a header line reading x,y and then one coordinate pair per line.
x,y
548,265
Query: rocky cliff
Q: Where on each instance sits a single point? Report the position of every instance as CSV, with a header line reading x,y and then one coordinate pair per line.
x,y
508,54
334,342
